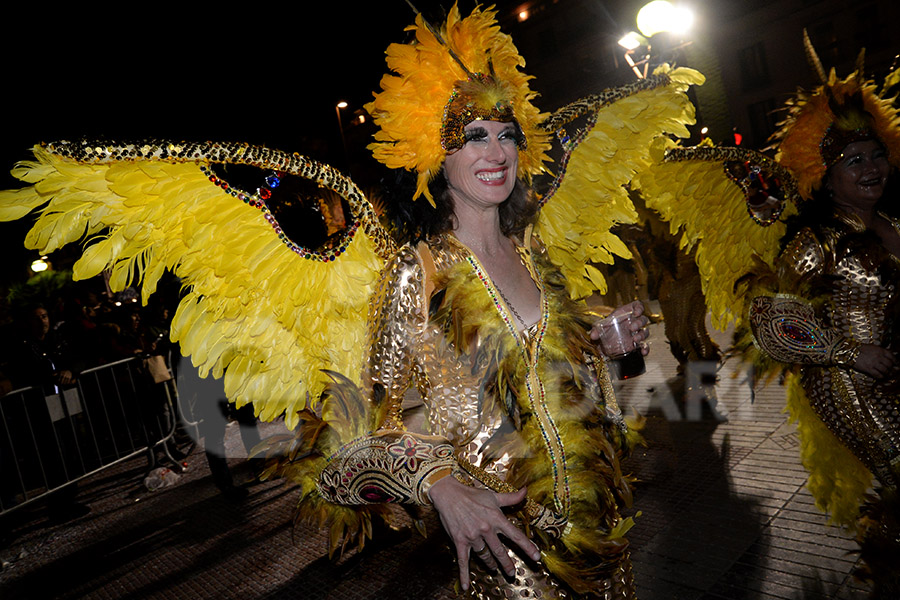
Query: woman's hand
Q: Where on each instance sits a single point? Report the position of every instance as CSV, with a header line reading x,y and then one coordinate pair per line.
x,y
473,519
875,361
638,324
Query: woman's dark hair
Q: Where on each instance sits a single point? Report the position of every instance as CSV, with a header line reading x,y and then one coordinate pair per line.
x,y
415,220
814,213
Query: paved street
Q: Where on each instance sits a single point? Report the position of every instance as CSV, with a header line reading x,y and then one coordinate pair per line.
x,y
723,514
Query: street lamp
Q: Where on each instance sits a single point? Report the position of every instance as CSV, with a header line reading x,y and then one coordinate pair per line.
x,y
654,18
40,265
632,42
337,110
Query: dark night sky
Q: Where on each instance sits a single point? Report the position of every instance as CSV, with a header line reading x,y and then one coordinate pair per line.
x,y
260,75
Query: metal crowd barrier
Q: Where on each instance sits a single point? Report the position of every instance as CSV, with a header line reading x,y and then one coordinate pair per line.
x,y
48,441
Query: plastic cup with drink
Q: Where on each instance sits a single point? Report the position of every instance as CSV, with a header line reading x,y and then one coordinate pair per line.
x,y
617,342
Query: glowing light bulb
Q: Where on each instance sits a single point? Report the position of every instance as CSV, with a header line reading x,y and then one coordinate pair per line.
x,y
659,16
630,41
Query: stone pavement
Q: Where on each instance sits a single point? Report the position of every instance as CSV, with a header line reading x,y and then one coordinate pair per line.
x,y
723,515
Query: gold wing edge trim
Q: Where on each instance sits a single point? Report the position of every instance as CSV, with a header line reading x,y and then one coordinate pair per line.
x,y
594,102
100,152
590,105
734,153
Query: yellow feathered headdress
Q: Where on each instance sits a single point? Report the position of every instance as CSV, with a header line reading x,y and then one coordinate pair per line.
x,y
440,83
821,122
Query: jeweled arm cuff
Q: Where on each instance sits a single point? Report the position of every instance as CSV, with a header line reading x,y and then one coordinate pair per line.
x,y
845,352
788,330
388,466
432,478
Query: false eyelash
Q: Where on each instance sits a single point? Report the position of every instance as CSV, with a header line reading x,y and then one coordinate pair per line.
x,y
475,134
517,135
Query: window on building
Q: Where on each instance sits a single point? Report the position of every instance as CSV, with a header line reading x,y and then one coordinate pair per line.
x,y
762,121
754,69
869,32
825,40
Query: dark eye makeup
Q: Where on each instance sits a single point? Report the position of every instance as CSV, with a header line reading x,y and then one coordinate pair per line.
x,y
478,134
855,159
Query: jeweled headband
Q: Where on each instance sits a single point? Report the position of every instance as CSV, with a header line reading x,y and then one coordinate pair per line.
x,y
481,98
851,125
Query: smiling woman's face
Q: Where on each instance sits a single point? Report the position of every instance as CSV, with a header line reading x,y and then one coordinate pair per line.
x,y
857,180
483,172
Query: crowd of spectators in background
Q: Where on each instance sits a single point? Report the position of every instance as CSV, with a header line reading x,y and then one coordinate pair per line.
x,y
57,329
49,340
54,330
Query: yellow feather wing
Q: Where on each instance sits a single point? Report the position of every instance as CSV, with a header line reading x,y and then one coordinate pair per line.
x,y
693,189
259,309
589,196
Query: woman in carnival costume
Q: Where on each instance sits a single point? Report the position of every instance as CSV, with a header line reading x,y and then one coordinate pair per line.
x,y
810,281
837,313
474,312
478,311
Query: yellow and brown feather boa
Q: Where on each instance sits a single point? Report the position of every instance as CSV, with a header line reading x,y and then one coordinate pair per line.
x,y
593,542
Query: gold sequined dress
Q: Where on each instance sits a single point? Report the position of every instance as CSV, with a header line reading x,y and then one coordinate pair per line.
x,y
849,297
515,408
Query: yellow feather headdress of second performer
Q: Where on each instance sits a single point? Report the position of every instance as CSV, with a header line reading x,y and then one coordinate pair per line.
x,y
438,86
821,122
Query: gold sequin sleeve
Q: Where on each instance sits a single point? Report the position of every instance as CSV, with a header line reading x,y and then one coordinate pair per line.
x,y
391,465
803,258
397,319
787,327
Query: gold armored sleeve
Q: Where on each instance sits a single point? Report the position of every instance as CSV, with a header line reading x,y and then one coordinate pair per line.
x,y
803,258
788,329
387,466
397,319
